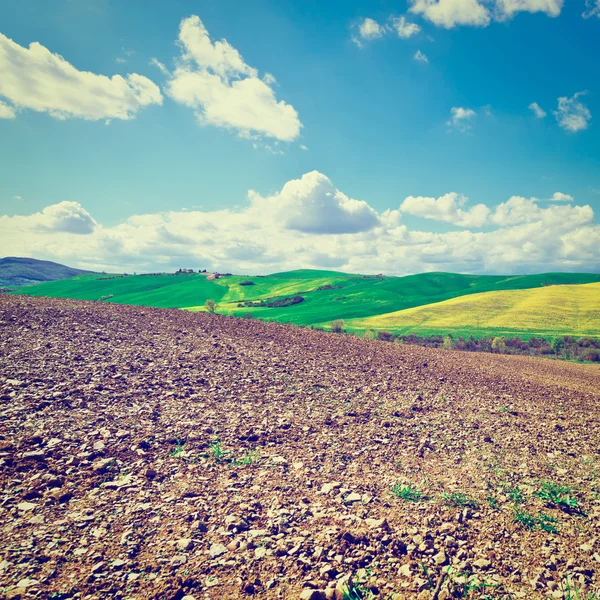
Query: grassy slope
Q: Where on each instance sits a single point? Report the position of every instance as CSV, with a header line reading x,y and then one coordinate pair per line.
x,y
547,311
359,297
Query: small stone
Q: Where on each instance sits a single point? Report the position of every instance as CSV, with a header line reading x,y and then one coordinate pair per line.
x,y
178,560
101,465
260,552
185,544
482,563
26,506
118,563
440,558
353,497
217,550
405,570
25,583
234,522
312,595
376,523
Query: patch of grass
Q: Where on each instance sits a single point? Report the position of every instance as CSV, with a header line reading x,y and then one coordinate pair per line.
x,y
542,521
408,493
178,450
246,459
572,591
354,591
515,494
217,452
458,500
492,502
558,496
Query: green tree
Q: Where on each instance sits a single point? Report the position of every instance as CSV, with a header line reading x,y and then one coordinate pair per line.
x,y
498,345
448,342
211,306
337,326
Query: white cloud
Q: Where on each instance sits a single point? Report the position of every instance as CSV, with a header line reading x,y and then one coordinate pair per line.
x,y
572,115
6,111
404,28
312,205
592,9
39,80
450,13
519,210
17,198
508,8
446,208
538,111
299,227
303,147
160,66
461,118
64,217
370,29
560,197
420,57
213,79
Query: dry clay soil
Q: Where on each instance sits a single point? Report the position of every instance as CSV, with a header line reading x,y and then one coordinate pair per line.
x,y
148,453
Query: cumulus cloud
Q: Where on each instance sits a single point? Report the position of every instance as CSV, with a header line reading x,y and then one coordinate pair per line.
x,y
450,13
592,9
213,79
310,223
420,57
6,111
572,115
519,210
369,29
538,111
560,197
403,28
507,8
312,204
461,118
64,217
34,78
446,208
475,13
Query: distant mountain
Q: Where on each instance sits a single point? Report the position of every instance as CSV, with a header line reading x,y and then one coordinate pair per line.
x,y
28,271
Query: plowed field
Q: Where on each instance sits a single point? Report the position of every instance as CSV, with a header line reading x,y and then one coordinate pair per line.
x,y
153,453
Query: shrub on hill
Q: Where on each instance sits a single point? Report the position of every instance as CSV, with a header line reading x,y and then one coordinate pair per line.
x,y
566,347
247,282
337,326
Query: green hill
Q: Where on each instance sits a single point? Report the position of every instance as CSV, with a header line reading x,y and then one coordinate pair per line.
x,y
327,295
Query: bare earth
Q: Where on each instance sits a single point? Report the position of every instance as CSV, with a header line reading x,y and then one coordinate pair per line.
x,y
149,453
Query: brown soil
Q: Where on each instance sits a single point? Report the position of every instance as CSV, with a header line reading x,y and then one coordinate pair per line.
x,y
149,453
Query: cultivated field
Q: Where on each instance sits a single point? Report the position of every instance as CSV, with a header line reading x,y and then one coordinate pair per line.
x,y
329,295
547,311
151,453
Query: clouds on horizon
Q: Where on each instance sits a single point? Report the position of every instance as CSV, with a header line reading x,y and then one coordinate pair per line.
x,y
311,223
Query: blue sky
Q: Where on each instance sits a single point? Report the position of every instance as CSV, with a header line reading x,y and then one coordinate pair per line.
x,y
377,125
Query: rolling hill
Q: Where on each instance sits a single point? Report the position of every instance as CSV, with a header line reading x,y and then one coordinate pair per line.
x,y
327,295
547,311
15,271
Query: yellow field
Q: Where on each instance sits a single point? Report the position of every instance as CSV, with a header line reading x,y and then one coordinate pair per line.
x,y
561,309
